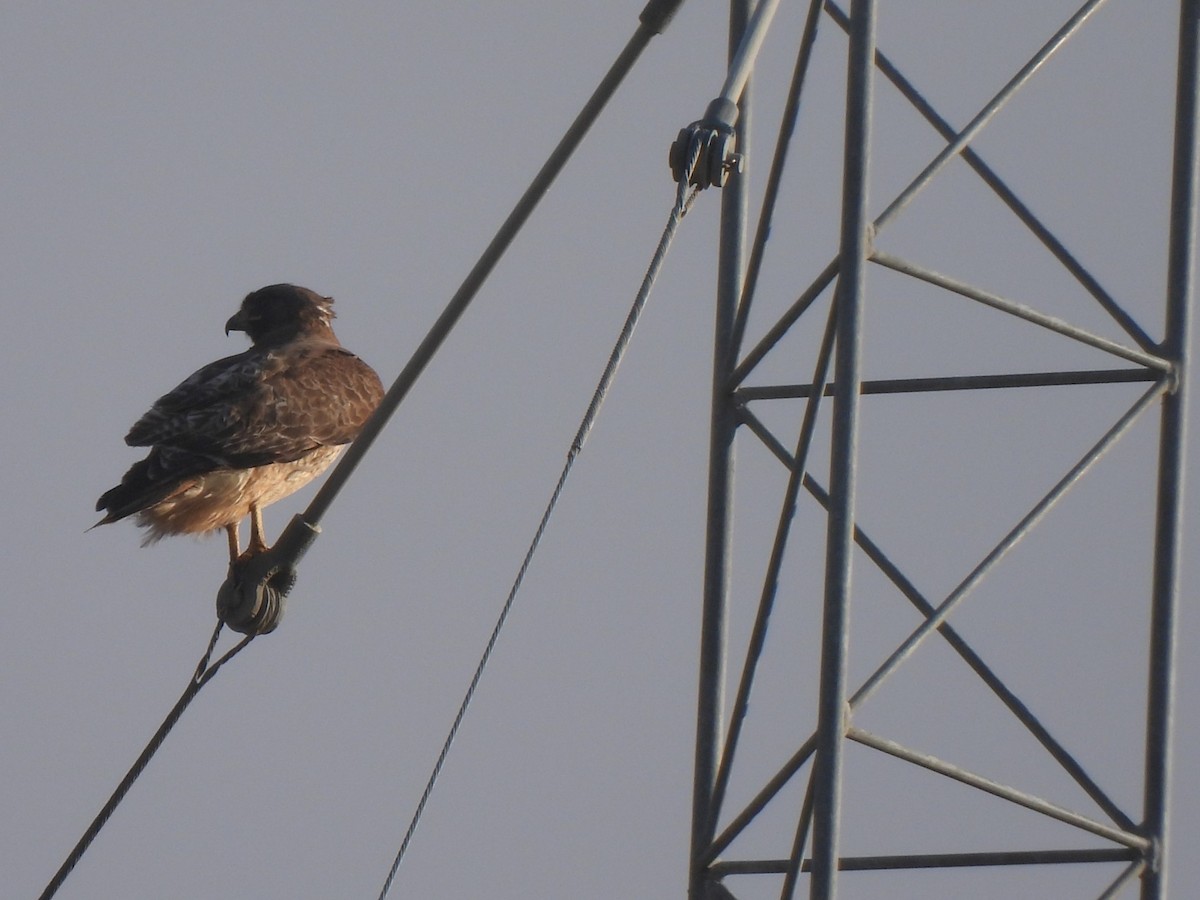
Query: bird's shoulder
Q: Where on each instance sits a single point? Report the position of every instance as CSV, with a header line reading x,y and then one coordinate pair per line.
x,y
321,366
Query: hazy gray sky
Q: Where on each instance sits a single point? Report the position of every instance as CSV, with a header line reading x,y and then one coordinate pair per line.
x,y
160,162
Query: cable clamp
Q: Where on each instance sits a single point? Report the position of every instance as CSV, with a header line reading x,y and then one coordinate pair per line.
x,y
714,141
252,599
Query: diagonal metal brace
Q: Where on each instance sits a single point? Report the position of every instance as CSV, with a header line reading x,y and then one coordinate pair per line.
x,y
252,599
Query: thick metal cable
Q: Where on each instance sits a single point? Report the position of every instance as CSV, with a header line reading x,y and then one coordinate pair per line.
x,y
683,202
203,675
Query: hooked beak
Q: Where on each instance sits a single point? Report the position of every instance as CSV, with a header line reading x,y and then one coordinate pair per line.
x,y
237,322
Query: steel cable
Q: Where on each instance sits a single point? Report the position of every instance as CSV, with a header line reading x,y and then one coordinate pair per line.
x,y
683,201
203,675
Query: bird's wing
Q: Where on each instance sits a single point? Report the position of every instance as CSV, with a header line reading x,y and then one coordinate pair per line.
x,y
261,407
188,408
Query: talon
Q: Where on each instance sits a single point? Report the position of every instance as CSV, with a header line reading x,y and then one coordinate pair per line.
x,y
249,553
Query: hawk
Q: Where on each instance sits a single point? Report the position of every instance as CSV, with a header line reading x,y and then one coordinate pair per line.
x,y
247,430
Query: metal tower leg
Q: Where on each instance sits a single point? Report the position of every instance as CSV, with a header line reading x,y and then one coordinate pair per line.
x,y
1171,454
855,249
724,422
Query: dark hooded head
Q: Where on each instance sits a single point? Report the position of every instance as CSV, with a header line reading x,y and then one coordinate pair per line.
x,y
283,312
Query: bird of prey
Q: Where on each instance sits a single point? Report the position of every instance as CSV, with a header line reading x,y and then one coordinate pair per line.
x,y
249,429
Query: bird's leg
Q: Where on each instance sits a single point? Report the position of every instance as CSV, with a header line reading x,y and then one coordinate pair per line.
x,y
234,542
257,542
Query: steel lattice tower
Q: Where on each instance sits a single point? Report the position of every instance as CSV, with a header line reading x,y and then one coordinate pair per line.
x,y
791,819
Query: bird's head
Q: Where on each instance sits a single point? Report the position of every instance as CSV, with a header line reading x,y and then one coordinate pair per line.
x,y
283,312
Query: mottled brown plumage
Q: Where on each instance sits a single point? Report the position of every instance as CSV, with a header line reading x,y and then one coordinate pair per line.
x,y
247,430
